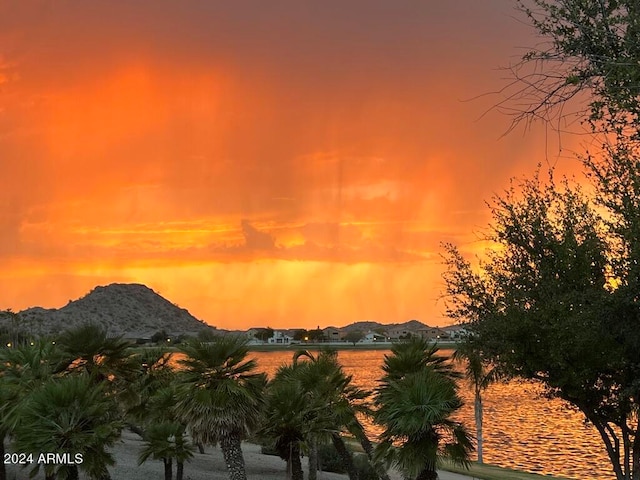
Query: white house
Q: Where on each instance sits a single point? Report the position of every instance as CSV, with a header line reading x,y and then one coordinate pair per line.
x,y
373,337
279,338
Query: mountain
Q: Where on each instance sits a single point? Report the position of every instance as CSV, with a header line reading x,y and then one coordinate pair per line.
x,y
366,326
131,310
411,325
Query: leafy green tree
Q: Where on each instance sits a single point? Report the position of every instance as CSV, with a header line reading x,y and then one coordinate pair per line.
x,y
553,302
221,396
316,335
415,399
592,58
70,415
264,334
12,334
354,336
300,335
208,335
159,337
587,72
587,69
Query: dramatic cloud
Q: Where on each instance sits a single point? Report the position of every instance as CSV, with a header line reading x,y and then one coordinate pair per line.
x,y
268,152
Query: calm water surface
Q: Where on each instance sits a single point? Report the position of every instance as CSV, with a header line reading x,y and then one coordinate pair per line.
x,y
522,429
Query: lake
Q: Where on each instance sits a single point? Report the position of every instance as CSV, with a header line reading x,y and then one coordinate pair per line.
x,y
522,429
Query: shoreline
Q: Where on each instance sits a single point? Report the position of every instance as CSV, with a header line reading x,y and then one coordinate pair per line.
x,y
335,346
339,346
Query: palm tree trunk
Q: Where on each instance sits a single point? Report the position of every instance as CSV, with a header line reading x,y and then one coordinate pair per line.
x,y
168,468
3,468
313,460
345,456
296,463
73,472
478,414
179,470
368,449
232,451
200,447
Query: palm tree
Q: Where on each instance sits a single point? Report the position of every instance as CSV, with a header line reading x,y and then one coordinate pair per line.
x,y
72,415
480,374
154,373
414,400
221,396
166,441
289,419
3,434
89,349
153,409
340,403
325,382
22,368
414,355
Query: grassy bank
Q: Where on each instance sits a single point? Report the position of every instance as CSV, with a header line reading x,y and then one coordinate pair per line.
x,y
476,470
334,346
492,472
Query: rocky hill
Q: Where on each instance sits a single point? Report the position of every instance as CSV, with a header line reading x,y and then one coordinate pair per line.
x,y
131,310
373,326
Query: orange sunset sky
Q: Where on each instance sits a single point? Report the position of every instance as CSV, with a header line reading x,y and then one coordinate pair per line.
x,y
279,163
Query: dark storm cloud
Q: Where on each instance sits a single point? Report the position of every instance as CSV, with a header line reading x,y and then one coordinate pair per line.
x,y
324,42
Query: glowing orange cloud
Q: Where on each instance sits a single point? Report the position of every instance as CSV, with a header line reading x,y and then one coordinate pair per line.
x,y
299,179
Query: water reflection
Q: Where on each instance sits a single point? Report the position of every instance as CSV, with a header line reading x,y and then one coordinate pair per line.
x,y
522,429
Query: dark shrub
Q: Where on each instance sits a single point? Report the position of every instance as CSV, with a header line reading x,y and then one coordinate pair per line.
x,y
268,450
329,460
364,468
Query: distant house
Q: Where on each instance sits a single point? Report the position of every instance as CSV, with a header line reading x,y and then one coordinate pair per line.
x,y
433,333
332,334
137,337
252,336
397,333
373,337
279,338
455,332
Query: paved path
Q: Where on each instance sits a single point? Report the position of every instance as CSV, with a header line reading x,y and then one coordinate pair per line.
x,y
442,476
209,466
